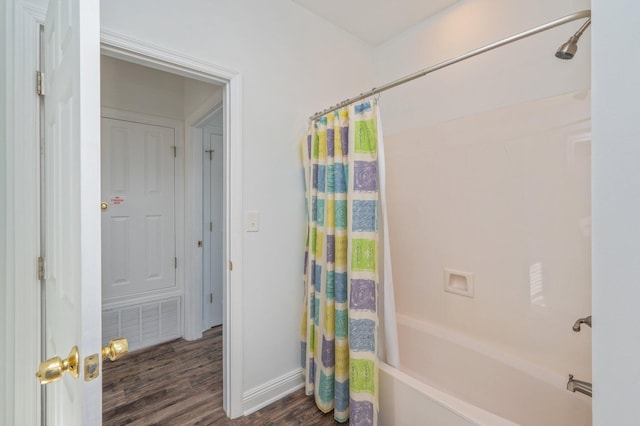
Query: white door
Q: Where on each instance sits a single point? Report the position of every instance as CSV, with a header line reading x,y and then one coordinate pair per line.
x,y
213,227
138,224
71,50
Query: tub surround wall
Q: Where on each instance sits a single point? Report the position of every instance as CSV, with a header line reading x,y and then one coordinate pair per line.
x,y
489,173
504,195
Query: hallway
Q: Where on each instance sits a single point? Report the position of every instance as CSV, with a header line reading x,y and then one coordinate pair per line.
x,y
175,382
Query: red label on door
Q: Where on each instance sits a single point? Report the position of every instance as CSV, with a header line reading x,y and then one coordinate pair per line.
x,y
117,200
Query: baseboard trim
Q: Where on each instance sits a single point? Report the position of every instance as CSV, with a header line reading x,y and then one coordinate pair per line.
x,y
263,395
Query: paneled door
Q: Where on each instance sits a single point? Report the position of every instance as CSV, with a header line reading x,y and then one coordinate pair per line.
x,y
71,211
138,216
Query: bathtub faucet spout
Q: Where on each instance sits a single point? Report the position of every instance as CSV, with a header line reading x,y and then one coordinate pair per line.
x,y
579,386
585,320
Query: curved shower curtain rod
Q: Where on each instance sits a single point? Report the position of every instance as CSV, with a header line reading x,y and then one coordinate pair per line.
x,y
561,21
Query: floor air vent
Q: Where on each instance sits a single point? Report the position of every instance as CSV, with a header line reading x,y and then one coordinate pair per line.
x,y
143,325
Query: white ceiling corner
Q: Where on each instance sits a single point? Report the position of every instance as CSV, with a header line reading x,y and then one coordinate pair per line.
x,y
375,21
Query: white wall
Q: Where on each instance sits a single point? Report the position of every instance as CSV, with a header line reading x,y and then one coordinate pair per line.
x,y
292,63
616,209
487,174
131,87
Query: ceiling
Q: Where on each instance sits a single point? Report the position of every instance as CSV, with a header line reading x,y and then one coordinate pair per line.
x,y
375,21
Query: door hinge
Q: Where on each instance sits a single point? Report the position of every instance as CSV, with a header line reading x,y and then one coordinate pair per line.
x,y
175,263
210,297
175,151
39,83
40,268
230,265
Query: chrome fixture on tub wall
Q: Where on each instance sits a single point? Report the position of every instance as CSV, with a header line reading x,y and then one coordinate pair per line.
x,y
579,386
580,321
569,49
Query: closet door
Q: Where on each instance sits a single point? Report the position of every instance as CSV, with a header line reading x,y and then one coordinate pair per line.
x,y
138,223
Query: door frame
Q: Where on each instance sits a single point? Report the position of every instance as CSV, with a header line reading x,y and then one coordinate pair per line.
x,y
20,332
132,50
21,348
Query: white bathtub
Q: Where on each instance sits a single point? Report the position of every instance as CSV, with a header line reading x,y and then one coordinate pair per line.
x,y
451,380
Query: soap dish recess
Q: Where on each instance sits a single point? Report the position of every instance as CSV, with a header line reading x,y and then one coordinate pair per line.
x,y
458,282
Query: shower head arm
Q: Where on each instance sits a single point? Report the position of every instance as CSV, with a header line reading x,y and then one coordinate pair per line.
x,y
582,29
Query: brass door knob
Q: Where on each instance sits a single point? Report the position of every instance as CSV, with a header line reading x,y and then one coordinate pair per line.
x,y
53,368
116,349
104,206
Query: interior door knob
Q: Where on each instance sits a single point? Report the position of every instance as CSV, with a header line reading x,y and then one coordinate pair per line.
x,y
104,206
116,349
53,368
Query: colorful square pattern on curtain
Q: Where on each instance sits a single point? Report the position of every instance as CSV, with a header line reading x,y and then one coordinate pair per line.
x,y
339,342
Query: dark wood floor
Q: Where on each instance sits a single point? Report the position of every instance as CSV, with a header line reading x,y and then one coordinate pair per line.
x,y
180,383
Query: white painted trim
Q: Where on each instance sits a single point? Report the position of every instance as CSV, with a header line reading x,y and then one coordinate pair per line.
x,y
267,393
129,49
22,310
233,361
179,197
126,48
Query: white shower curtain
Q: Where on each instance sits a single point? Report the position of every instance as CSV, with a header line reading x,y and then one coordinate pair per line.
x,y
391,352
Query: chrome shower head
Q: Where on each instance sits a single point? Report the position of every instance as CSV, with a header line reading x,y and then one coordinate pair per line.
x,y
568,49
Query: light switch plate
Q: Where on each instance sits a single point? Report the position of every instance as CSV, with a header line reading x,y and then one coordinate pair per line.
x,y
253,221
